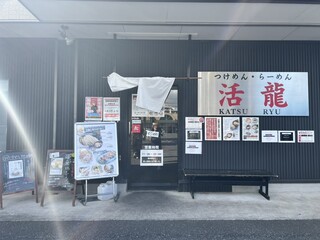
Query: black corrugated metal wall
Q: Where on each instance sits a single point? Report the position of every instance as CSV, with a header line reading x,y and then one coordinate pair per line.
x,y
29,66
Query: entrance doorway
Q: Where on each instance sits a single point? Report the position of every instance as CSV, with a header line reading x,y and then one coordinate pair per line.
x,y
165,127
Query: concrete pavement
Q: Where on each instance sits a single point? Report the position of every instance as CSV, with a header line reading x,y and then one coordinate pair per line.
x,y
288,202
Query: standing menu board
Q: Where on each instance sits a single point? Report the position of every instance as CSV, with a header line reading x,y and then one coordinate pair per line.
x,y
58,169
18,172
58,172
96,150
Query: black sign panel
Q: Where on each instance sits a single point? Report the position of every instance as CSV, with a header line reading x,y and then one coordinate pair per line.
x,y
18,172
59,163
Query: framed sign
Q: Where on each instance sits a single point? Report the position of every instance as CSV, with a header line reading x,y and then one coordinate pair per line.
x,y
96,150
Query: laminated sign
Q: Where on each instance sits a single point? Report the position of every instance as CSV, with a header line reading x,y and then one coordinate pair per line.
x,y
96,150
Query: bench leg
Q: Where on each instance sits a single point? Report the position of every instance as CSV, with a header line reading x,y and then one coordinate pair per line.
x,y
266,193
191,183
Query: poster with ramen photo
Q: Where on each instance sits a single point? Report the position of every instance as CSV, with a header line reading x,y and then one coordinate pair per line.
x,y
96,150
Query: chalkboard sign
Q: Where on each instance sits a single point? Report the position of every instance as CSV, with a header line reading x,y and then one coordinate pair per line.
x,y
59,167
59,171
18,172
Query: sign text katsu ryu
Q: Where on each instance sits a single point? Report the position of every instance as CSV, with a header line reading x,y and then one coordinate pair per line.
x,y
253,93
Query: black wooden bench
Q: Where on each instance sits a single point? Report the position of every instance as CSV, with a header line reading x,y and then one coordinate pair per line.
x,y
233,177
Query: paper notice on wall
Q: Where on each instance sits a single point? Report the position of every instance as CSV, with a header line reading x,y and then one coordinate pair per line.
x,y
305,136
193,148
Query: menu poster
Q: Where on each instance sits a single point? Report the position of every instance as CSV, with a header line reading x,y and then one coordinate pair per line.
x,y
111,109
56,165
15,169
93,109
231,129
96,150
213,128
250,129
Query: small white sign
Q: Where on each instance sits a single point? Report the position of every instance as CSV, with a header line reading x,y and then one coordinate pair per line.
x,y
152,134
305,136
194,122
151,157
193,147
269,136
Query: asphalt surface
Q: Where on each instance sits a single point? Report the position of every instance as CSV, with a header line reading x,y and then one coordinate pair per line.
x,y
147,230
292,213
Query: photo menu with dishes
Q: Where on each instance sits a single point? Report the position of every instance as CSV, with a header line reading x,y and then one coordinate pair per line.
x,y
96,150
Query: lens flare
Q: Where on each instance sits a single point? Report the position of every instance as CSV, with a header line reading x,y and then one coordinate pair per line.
x,y
22,131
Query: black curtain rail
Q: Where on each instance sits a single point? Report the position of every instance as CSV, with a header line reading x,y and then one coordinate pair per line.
x,y
176,78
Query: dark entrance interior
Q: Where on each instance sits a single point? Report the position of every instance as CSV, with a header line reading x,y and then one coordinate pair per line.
x,y
155,177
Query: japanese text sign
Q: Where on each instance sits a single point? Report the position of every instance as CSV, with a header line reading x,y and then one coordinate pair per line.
x,y
253,93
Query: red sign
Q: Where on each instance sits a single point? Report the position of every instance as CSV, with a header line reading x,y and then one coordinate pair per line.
x,y
136,128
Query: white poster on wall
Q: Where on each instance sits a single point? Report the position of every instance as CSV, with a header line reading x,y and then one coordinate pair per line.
x,y
213,126
231,129
193,148
250,129
111,109
305,136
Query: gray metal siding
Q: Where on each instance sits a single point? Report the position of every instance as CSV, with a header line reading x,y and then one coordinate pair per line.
x,y
30,74
29,67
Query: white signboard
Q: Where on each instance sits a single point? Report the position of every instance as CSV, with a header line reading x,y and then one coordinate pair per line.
x,y
111,109
269,136
96,150
253,93
305,136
